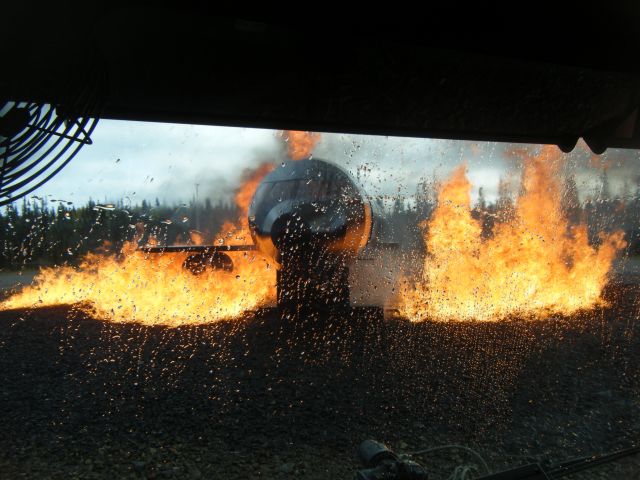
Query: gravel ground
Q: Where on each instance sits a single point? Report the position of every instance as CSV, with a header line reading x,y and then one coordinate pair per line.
x,y
266,398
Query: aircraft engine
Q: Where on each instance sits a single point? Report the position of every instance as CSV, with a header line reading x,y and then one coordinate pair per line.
x,y
310,217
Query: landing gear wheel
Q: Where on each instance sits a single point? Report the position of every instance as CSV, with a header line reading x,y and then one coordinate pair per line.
x,y
199,262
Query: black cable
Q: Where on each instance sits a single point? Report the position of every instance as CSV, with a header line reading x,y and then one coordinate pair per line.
x,y
475,454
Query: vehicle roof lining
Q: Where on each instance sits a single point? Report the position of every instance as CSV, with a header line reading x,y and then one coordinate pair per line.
x,y
466,79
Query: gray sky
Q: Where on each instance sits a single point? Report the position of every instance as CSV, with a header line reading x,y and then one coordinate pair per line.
x,y
141,160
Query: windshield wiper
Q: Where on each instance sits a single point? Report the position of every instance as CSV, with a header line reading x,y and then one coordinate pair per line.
x,y
382,463
577,465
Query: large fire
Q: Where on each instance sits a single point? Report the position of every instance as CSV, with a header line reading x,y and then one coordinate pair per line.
x,y
237,233
535,264
155,288
300,144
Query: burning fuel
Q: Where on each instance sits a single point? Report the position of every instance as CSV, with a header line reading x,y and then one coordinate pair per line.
x,y
153,289
238,233
534,265
300,144
156,289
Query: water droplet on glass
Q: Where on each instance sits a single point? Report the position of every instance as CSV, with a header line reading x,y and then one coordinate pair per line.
x,y
106,206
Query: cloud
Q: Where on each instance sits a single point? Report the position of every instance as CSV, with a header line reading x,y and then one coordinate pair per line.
x,y
144,160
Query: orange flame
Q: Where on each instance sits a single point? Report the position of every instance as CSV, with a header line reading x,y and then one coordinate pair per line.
x,y
238,233
250,181
300,144
155,288
535,264
196,237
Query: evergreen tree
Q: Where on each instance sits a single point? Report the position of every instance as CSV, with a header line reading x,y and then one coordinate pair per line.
x,y
570,202
482,202
605,188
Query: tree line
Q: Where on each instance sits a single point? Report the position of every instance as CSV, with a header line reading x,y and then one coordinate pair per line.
x,y
41,231
601,210
44,231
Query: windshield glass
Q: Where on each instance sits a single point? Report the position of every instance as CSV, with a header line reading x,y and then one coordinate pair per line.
x,y
486,296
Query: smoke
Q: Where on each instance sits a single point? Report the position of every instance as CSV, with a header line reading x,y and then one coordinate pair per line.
x,y
300,145
217,181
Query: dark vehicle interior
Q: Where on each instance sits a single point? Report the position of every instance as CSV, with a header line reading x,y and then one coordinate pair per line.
x,y
541,76
332,392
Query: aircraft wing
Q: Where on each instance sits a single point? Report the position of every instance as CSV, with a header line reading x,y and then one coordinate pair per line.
x,y
196,248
